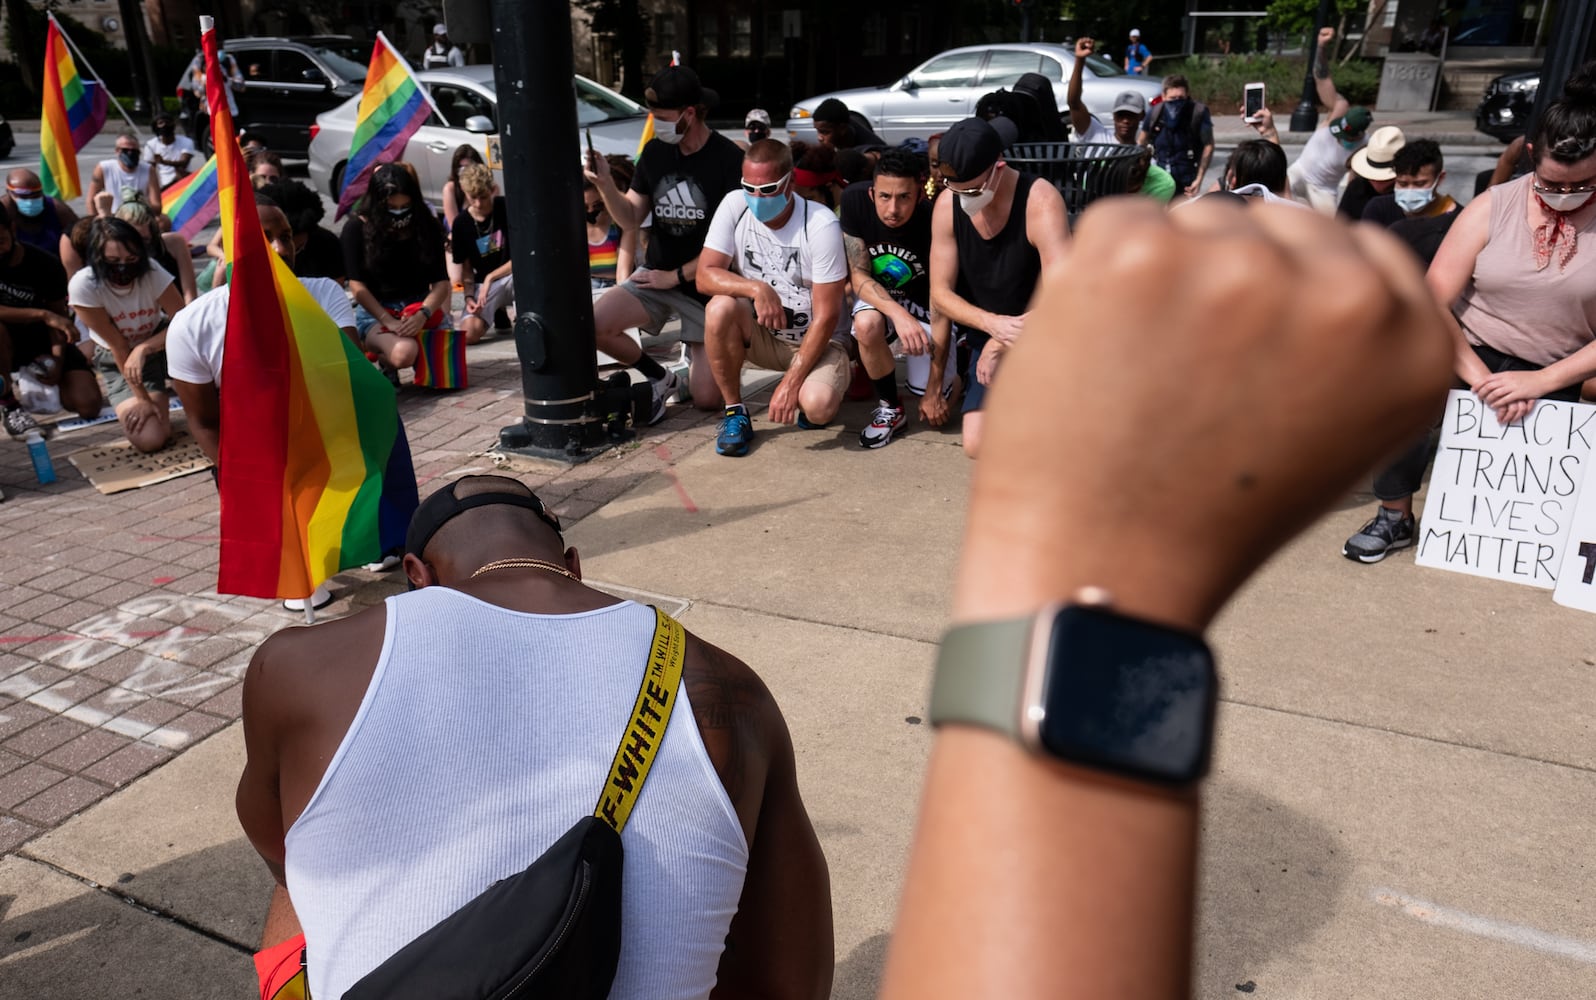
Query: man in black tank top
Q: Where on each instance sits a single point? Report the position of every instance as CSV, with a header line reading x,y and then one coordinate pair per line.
x,y
989,246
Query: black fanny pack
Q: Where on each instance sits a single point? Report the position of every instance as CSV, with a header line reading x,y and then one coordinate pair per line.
x,y
553,930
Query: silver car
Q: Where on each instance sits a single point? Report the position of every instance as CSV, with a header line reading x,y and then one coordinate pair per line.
x,y
945,88
466,98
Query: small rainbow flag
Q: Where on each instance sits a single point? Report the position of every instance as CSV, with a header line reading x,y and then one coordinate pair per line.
x,y
648,133
73,113
393,105
192,200
442,361
315,471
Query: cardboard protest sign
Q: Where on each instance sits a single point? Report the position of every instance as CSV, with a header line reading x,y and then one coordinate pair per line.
x,y
1502,499
116,467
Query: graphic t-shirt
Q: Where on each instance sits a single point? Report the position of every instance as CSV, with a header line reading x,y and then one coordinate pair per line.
x,y
899,258
483,245
684,191
135,310
805,251
36,281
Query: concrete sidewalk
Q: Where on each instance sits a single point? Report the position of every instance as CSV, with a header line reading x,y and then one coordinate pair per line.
x,y
1401,797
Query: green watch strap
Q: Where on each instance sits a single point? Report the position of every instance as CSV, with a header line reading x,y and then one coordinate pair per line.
x,y
980,675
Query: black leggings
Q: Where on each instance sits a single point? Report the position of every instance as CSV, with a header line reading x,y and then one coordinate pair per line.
x,y
1402,478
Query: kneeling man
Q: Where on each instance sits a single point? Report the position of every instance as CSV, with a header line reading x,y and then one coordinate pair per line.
x,y
776,268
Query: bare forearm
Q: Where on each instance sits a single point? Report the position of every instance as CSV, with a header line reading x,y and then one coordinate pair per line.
x,y
620,207
721,281
1328,95
949,303
816,338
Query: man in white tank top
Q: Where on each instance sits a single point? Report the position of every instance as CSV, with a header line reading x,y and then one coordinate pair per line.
x,y
401,759
125,172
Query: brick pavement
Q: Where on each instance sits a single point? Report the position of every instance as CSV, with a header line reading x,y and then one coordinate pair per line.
x,y
116,653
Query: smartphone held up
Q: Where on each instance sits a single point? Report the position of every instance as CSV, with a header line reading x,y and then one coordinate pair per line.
x,y
1252,102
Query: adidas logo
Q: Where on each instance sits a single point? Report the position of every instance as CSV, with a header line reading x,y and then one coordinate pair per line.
x,y
678,206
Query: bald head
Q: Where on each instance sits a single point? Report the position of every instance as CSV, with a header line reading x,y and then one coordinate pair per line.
x,y
24,179
479,520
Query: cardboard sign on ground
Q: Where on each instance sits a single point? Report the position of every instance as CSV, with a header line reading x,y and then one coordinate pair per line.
x,y
1502,499
1576,584
113,468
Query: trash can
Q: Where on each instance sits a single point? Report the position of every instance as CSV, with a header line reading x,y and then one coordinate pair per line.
x,y
1081,171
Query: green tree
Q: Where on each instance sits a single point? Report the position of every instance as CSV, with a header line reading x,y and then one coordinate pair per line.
x,y
1300,17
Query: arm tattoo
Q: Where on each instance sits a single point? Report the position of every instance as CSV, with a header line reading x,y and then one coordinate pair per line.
x,y
1321,65
730,704
858,259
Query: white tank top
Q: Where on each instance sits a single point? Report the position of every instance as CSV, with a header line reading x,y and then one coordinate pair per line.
x,y
484,734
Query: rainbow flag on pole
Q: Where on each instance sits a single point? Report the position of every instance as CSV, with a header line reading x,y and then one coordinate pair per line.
x,y
73,113
192,200
393,105
315,472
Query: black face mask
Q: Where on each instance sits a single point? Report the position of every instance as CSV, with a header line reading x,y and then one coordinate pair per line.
x,y
593,215
124,273
129,157
399,218
756,134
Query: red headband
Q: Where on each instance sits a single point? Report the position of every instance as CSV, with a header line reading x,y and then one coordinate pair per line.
x,y
811,179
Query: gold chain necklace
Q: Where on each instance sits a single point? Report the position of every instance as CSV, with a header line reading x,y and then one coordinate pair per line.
x,y
542,564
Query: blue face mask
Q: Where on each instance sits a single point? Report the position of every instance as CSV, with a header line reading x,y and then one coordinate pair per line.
x,y
31,207
766,209
1348,144
1412,200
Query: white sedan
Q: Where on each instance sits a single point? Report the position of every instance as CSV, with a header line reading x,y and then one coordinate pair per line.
x,y
470,115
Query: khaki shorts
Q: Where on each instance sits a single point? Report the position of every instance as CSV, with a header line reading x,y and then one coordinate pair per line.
x,y
772,353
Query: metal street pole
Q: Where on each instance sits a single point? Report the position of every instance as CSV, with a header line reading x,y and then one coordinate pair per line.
x,y
1306,117
568,415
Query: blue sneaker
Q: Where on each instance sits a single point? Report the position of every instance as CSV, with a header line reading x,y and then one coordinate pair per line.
x,y
805,424
736,433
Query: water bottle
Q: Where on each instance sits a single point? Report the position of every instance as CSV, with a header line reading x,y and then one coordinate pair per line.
x,y
43,468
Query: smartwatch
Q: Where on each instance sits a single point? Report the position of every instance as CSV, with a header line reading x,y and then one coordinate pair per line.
x,y
1088,686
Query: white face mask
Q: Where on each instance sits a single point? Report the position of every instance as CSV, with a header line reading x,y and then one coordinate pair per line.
x,y
1412,200
1565,202
667,131
975,201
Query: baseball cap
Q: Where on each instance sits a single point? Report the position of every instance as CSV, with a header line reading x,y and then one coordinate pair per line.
x,y
1136,33
969,148
439,29
832,112
676,87
759,115
1354,123
1375,161
444,505
1130,101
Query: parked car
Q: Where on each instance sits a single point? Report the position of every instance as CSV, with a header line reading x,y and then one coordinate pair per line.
x,y
289,81
470,114
945,88
1504,112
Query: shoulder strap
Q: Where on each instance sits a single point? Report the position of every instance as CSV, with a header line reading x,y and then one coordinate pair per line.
x,y
656,697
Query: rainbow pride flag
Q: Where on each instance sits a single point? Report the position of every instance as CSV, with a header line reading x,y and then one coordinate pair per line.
x,y
73,113
648,133
392,107
315,472
192,200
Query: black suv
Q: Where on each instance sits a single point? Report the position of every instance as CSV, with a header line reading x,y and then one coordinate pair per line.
x,y
1505,110
289,81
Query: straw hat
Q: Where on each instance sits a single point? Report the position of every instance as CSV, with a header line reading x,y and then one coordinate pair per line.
x,y
1373,162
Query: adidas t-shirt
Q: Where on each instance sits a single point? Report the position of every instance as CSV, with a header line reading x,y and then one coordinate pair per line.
x,y
899,258
804,252
684,191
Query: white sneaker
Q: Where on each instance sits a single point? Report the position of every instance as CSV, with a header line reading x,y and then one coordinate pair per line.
x,y
885,422
664,389
319,599
383,565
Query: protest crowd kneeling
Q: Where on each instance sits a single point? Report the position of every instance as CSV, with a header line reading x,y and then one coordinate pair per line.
x,y
906,277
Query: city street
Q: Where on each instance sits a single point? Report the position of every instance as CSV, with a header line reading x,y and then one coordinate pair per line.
x,y
1403,791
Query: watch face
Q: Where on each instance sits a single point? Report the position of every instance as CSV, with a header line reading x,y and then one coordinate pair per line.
x,y
1128,696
